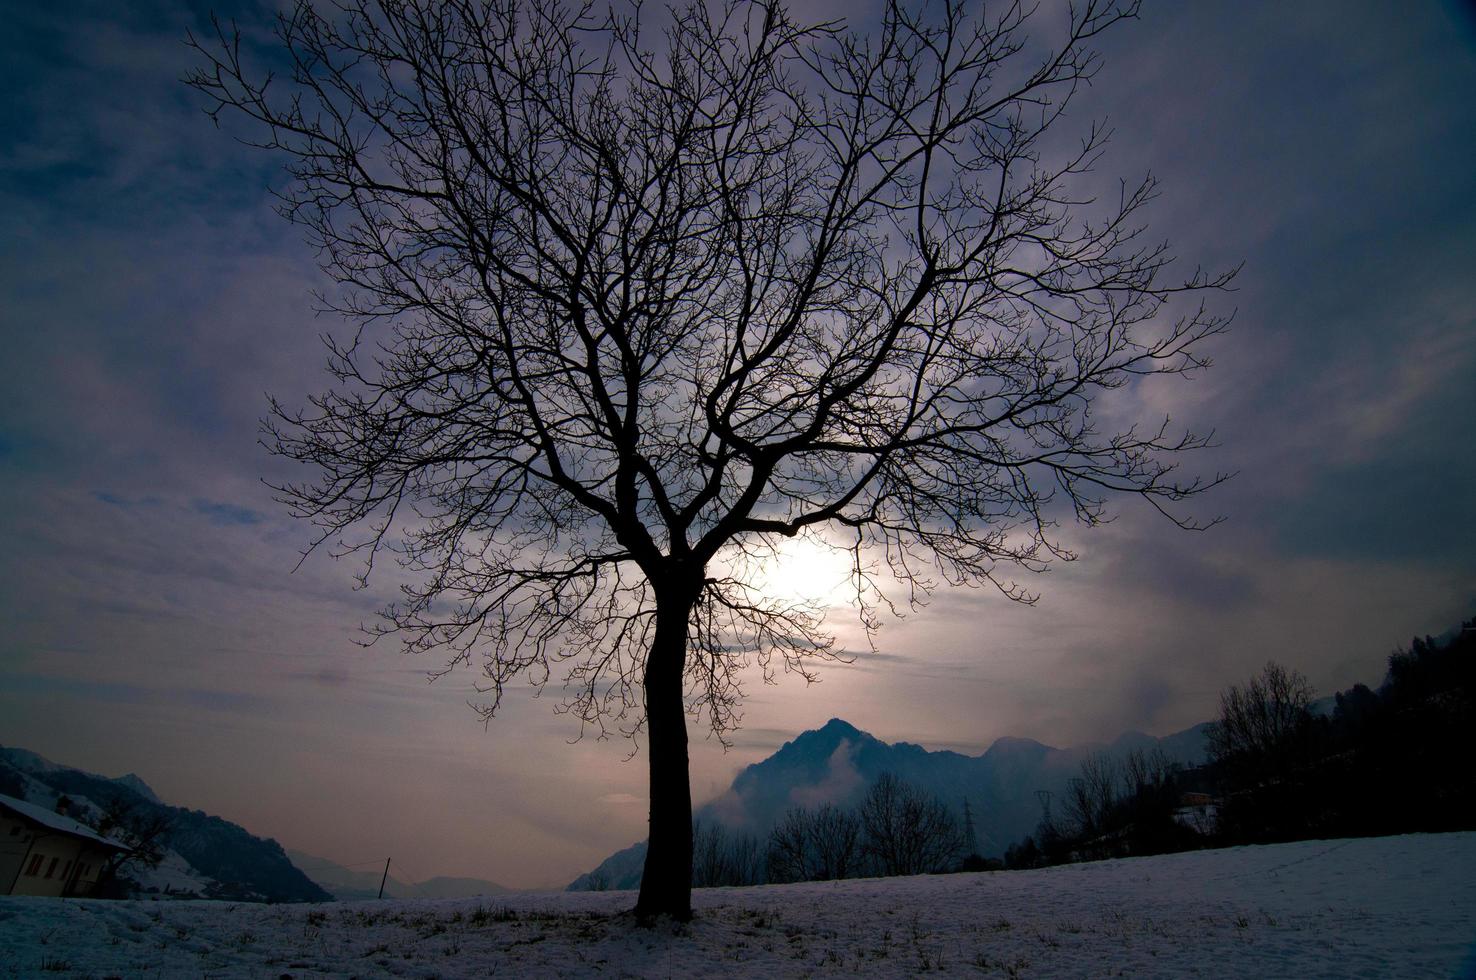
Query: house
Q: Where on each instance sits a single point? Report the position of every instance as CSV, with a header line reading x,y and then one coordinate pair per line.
x,y
1200,812
45,853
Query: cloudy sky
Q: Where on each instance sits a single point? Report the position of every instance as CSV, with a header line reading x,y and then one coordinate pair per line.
x,y
152,620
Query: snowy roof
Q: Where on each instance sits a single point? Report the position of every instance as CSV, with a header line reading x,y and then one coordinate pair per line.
x,y
57,822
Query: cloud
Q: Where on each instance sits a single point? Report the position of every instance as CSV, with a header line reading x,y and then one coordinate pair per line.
x,y
210,700
840,781
224,515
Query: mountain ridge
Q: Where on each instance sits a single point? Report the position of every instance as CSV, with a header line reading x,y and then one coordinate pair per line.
x,y
837,762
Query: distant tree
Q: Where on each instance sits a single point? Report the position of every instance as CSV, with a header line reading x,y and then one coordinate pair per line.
x,y
835,843
143,828
789,846
722,858
815,845
1050,844
709,857
1354,707
1144,771
1432,668
1091,795
906,831
1263,724
1024,854
1411,746
1264,748
629,317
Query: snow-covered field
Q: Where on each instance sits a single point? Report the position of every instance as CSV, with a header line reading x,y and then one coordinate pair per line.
x,y
1383,907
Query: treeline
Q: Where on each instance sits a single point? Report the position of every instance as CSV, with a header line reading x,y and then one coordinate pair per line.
x,y
1390,760
897,829
1386,761
1114,808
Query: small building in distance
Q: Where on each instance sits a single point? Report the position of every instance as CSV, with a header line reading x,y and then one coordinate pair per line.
x,y
45,853
1200,812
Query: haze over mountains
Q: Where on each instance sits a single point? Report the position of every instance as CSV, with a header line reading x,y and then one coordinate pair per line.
x,y
210,856
837,762
348,884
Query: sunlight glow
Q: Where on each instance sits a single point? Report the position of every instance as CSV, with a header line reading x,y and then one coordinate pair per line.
x,y
808,571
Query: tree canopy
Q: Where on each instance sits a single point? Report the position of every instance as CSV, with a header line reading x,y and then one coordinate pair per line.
x,y
634,305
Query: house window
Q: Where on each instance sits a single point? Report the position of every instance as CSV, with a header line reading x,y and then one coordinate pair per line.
x,y
51,868
66,869
35,866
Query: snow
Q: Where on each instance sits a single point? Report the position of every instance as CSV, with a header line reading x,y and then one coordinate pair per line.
x,y
1374,907
174,874
55,821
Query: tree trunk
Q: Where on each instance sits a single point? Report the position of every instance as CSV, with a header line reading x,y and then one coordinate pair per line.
x,y
666,884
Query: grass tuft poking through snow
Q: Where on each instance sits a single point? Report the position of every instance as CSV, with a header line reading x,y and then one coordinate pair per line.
x,y
1385,907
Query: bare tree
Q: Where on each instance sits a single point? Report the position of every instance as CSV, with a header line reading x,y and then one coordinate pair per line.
x,y
1090,796
142,829
906,831
789,847
815,845
1262,723
629,316
724,858
835,843
1145,771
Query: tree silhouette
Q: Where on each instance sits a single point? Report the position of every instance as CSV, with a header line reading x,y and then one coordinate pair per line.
x,y
1263,725
906,831
815,845
1091,795
722,858
143,829
631,315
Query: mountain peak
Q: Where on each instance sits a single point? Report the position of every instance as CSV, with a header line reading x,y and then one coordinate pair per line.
x,y
837,763
823,741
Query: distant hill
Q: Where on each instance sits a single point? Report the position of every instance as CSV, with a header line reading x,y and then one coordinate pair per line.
x,y
838,762
205,856
346,884
620,870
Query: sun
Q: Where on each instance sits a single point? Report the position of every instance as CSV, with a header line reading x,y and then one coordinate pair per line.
x,y
806,570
